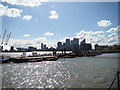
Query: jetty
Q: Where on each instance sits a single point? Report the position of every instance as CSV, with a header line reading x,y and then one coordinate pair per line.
x,y
43,57
32,59
35,57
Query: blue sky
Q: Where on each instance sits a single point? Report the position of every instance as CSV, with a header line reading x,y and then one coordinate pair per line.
x,y
67,19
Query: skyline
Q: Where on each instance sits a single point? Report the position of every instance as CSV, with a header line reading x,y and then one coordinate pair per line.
x,y
51,22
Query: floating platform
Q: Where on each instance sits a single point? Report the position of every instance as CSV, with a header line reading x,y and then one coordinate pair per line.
x,y
32,59
38,58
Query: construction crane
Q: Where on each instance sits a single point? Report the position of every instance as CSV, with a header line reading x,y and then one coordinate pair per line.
x,y
3,37
7,38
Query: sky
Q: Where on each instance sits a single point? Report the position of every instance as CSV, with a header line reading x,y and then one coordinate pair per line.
x,y
37,21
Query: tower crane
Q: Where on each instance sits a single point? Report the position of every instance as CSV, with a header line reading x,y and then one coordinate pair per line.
x,y
3,38
7,38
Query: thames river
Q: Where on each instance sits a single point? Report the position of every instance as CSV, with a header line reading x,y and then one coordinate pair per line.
x,y
79,72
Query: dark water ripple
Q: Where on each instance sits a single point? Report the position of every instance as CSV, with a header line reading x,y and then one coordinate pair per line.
x,y
83,72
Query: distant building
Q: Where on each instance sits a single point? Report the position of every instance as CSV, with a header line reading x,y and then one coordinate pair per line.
x,y
71,42
45,47
76,41
116,47
102,47
88,47
19,49
96,47
42,47
75,46
85,46
32,48
83,42
51,48
64,45
59,46
68,44
12,48
1,48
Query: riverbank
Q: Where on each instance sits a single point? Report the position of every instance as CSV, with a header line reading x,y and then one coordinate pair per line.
x,y
37,57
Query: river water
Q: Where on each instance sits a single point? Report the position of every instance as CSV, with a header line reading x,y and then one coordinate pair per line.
x,y
79,72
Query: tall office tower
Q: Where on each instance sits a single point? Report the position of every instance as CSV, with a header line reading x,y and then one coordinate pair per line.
x,y
64,45
83,42
68,44
76,41
84,46
75,46
42,47
59,46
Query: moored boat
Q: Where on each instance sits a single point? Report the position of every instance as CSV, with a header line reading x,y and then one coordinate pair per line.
x,y
4,59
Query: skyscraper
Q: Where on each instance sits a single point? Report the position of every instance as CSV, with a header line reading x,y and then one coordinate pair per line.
x,y
84,46
42,47
76,41
83,42
75,46
67,42
67,45
64,45
59,46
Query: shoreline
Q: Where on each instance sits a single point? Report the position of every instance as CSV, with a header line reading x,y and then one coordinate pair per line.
x,y
38,58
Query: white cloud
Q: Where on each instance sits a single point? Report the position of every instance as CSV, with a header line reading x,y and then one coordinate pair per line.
x,y
13,12
2,10
85,33
33,42
39,39
31,3
101,38
112,35
23,43
97,32
49,34
54,15
20,43
10,12
91,37
114,29
112,40
26,35
104,23
95,39
27,17
44,40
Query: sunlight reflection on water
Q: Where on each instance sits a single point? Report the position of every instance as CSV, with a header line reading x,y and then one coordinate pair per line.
x,y
81,72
